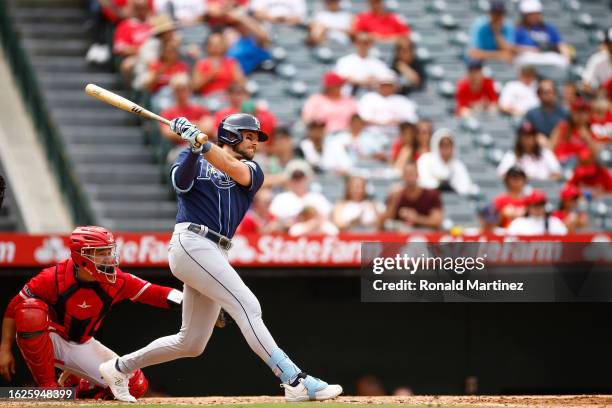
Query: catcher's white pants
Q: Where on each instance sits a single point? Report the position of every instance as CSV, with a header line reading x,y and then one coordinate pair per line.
x,y
210,283
81,359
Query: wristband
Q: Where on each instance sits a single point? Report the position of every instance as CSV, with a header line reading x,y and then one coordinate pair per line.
x,y
206,147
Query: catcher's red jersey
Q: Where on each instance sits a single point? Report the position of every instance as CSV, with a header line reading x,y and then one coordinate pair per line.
x,y
78,307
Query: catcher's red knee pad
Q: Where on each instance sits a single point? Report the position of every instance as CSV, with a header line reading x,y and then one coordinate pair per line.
x,y
31,321
31,316
138,384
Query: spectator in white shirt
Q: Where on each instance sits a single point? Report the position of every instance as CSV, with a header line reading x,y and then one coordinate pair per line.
x,y
440,169
360,68
537,221
332,23
598,69
519,96
290,12
383,109
538,162
314,145
356,211
187,12
344,149
288,205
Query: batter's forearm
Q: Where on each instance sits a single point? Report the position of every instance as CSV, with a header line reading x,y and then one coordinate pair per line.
x,y
228,164
8,333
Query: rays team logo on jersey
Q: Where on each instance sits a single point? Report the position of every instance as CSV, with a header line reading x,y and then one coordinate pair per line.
x,y
219,178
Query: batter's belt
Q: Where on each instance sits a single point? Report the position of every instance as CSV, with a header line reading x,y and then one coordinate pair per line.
x,y
221,240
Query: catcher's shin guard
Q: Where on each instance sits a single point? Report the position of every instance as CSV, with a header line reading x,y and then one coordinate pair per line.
x,y
31,321
138,384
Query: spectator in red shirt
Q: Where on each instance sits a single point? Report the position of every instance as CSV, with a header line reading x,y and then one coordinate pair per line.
x,y
590,175
573,135
412,205
259,220
161,71
572,209
511,204
240,102
601,120
131,33
475,92
183,107
380,23
216,72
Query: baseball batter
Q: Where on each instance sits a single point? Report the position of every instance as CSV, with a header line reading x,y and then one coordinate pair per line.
x,y
215,185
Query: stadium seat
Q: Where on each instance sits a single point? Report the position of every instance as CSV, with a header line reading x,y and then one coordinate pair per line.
x,y
297,89
279,54
436,6
585,21
446,89
448,22
287,71
435,72
324,55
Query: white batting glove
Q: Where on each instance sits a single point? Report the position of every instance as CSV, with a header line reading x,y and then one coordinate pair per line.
x,y
177,125
188,132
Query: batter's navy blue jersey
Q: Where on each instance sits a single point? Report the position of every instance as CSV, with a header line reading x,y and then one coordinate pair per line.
x,y
214,199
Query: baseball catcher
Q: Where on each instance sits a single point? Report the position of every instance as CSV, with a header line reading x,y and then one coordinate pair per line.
x,y
215,185
56,315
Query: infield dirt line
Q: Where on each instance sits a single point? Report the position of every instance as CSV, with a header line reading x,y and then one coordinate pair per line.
x,y
530,401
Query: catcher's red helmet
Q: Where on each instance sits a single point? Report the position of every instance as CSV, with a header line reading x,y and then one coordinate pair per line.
x,y
94,249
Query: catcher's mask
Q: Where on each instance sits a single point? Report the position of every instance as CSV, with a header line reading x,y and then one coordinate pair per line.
x,y
94,249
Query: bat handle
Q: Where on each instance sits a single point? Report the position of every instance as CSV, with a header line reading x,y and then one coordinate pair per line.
x,y
202,138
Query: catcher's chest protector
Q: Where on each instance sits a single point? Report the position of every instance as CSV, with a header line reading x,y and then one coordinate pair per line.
x,y
80,306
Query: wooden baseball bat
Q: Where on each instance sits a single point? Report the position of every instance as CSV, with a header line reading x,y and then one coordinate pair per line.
x,y
120,102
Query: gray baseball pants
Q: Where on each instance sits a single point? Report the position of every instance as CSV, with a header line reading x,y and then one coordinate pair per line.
x,y
210,283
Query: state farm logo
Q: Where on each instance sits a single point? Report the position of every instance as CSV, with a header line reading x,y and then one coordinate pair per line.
x,y
241,250
145,250
52,250
277,249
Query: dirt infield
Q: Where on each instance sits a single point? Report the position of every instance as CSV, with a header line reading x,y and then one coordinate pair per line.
x,y
553,401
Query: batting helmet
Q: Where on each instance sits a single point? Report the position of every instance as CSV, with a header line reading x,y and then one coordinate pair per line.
x,y
230,127
94,249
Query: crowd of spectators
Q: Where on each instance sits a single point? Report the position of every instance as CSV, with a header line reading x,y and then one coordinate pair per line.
x,y
363,112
